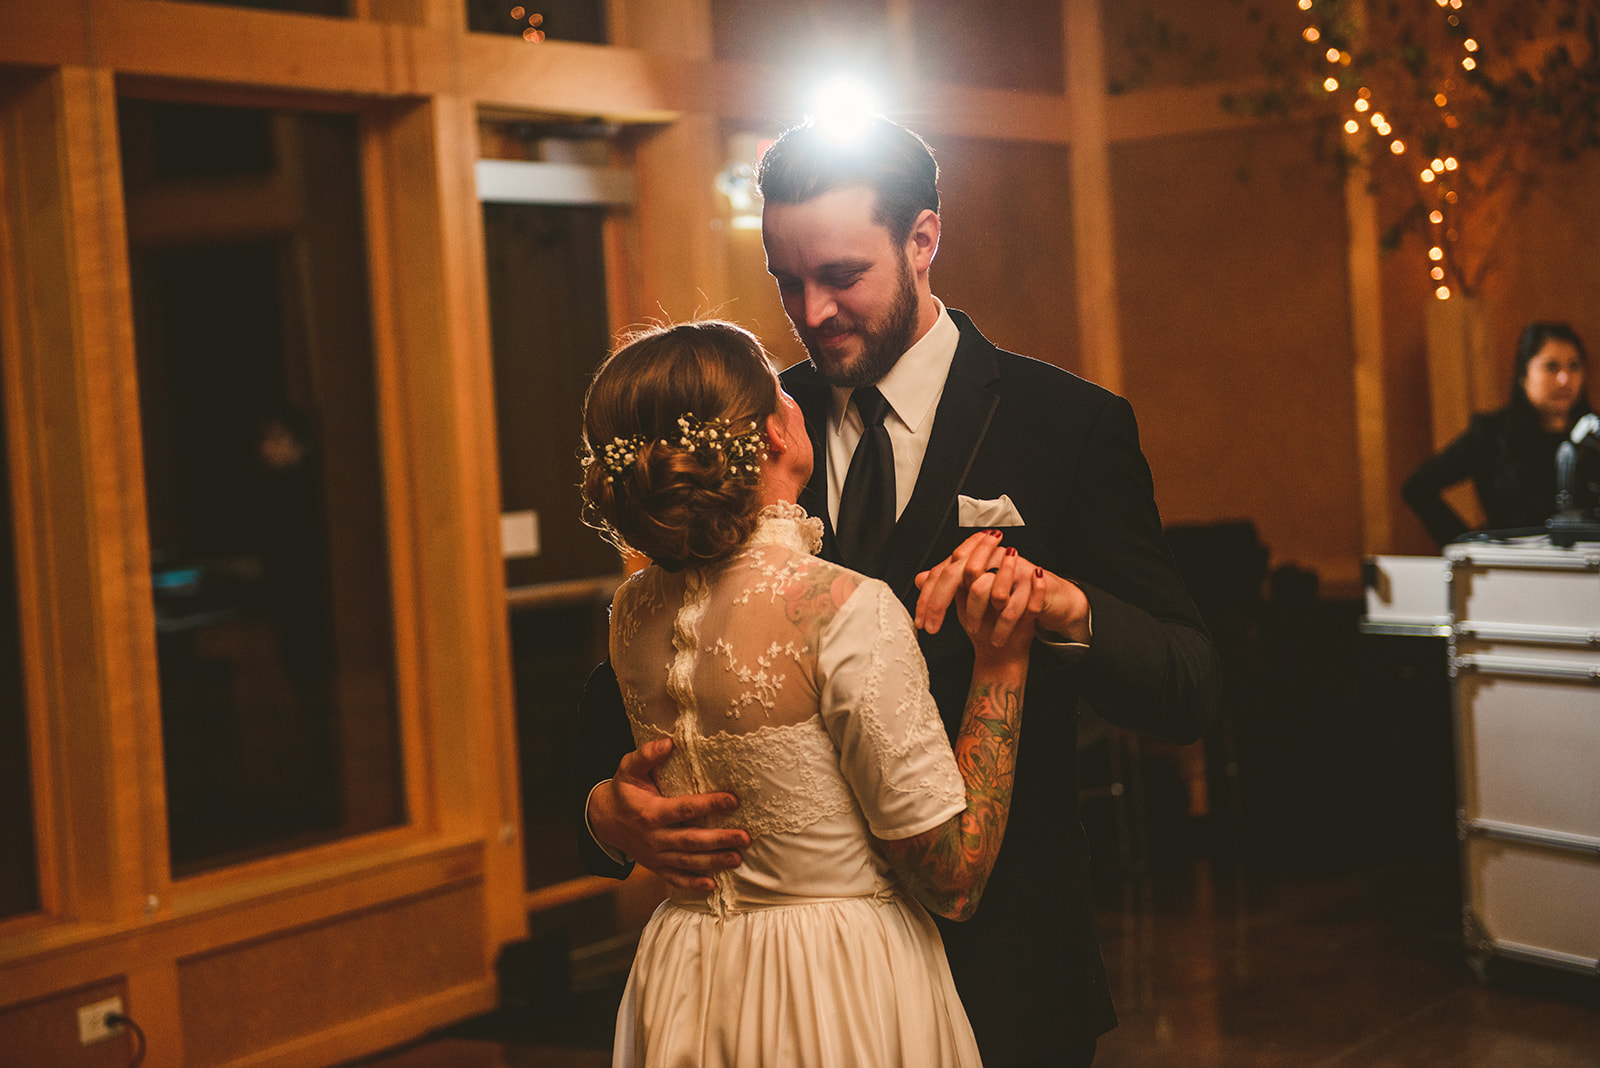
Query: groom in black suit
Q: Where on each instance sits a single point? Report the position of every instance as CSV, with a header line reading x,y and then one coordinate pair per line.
x,y
955,436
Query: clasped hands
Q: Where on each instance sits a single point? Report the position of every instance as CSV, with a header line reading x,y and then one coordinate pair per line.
x,y
999,598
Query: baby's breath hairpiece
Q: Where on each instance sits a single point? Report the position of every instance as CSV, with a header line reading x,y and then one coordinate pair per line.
x,y
741,445
620,454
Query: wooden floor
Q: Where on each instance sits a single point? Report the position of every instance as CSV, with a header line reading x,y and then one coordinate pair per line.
x,y
1238,965
1363,969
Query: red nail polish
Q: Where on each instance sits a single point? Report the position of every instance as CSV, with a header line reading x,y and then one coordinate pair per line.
x,y
1011,550
1038,572
994,532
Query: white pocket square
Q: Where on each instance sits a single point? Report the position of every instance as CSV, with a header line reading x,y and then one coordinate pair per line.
x,y
1000,512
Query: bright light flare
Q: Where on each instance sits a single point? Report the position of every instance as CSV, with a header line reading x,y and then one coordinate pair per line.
x,y
841,107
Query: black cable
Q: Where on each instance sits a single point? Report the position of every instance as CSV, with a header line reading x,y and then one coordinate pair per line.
x,y
117,1019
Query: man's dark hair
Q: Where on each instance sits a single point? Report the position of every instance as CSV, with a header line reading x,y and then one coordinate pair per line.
x,y
807,161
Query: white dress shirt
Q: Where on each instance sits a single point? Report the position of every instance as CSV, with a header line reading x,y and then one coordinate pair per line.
x,y
912,387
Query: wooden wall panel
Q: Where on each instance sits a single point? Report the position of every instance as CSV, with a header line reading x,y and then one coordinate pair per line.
x,y
1158,44
1006,252
1548,267
45,1032
241,999
753,298
1236,334
1406,288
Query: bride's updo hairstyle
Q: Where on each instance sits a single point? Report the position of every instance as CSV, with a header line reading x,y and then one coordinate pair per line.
x,y
674,428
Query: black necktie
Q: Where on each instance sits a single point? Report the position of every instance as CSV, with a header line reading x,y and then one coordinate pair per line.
x,y
866,504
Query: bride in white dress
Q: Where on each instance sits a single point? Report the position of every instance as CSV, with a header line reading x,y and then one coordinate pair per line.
x,y
796,685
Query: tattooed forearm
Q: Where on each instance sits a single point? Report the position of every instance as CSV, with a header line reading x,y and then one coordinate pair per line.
x,y
947,868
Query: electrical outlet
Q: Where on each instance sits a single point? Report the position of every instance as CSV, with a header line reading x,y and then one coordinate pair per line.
x,y
92,1026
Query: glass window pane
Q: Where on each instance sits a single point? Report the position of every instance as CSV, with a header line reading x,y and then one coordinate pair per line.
x,y
19,873
263,479
559,20
545,349
553,649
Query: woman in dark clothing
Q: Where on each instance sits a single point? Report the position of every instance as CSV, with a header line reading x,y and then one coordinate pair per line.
x,y
1510,454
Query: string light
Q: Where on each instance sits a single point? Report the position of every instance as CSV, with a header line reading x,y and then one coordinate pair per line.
x,y
1438,168
532,34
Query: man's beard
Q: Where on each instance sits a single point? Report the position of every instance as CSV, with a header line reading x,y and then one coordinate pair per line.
x,y
882,342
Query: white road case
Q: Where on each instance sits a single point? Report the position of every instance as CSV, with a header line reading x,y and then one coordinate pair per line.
x,y
1406,595
1525,681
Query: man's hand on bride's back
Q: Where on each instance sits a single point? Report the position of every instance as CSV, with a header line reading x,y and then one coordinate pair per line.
x,y
627,812
997,595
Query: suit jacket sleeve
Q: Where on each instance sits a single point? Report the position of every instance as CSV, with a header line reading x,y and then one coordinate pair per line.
x,y
603,739
1151,665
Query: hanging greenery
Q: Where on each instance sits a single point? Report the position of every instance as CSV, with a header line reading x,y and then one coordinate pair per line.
x,y
1454,106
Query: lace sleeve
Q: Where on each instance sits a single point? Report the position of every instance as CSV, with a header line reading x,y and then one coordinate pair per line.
x,y
893,748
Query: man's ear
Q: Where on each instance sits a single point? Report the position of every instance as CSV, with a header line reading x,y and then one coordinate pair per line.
x,y
777,445
923,242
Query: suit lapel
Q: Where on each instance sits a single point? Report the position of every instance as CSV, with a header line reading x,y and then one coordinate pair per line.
x,y
965,410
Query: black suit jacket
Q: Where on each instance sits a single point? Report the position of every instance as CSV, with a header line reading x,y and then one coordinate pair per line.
x,y
1067,454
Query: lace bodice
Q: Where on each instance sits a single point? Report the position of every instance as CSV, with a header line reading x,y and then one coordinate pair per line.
x,y
798,686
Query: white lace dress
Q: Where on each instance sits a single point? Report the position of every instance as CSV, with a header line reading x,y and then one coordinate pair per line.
x,y
797,685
